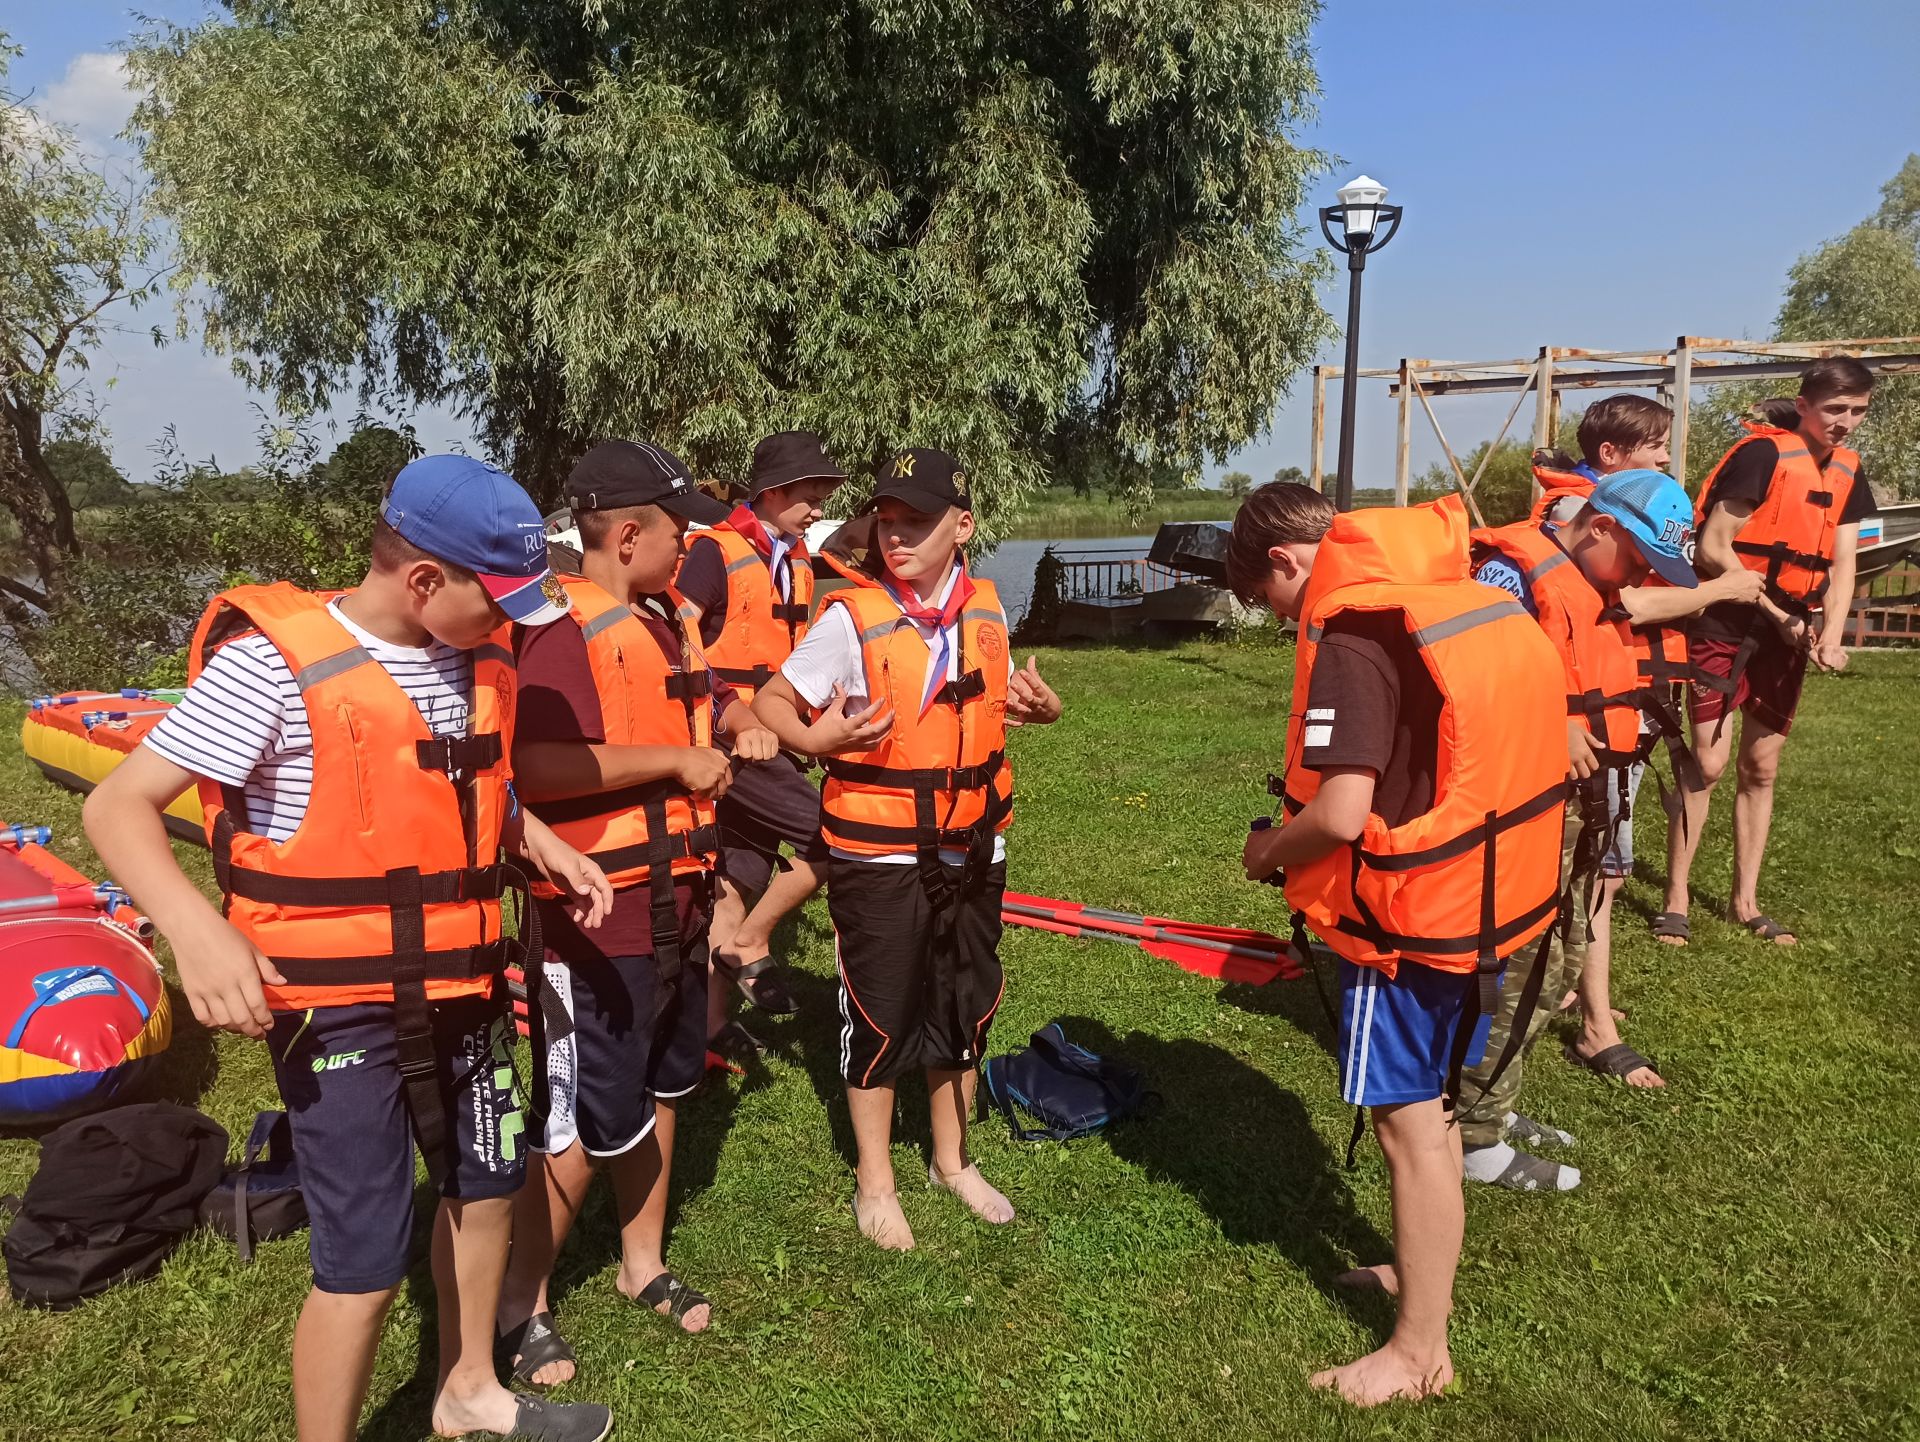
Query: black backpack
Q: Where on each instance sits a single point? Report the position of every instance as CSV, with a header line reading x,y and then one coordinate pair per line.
x,y
114,1195
260,1200
1064,1087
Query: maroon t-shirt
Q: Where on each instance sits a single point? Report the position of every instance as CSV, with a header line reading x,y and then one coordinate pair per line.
x,y
558,703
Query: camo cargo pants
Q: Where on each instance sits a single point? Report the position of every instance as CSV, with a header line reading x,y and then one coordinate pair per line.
x,y
1483,1112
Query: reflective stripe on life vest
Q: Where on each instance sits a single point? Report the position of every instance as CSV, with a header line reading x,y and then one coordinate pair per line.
x,y
940,777
1471,880
760,630
1789,537
1603,686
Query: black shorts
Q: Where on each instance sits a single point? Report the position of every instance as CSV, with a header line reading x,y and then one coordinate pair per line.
x,y
339,1080
769,802
908,997
633,1040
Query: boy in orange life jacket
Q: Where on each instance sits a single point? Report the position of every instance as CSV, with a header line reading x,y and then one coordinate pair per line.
x,y
751,581
913,689
614,751
1787,506
1570,578
351,759
1425,781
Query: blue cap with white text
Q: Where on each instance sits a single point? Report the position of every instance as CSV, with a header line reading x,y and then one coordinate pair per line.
x,y
465,511
1652,507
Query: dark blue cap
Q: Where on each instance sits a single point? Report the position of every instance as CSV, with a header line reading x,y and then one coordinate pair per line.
x,y
465,511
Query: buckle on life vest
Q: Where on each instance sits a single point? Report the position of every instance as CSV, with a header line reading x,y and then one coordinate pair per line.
x,y
962,689
1276,785
688,685
458,757
791,612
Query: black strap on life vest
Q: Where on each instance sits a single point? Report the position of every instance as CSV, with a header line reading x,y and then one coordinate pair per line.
x,y
688,687
605,803
926,784
754,676
792,613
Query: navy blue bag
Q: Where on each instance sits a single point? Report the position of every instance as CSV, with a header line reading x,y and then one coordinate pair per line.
x,y
1065,1088
260,1200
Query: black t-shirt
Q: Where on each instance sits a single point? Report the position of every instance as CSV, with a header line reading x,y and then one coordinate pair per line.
x,y
1371,702
703,581
1746,477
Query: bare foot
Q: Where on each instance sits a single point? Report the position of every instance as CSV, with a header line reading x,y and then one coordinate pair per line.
x,y
693,1319
882,1222
1382,1278
970,1187
488,1408
1671,940
1384,1376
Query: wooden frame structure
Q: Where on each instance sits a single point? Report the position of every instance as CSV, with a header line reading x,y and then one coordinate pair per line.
x,y
1672,374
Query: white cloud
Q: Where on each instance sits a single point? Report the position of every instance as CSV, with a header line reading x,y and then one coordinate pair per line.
x,y
93,97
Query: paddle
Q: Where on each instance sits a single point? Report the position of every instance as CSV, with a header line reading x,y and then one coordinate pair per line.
x,y
91,719
1130,923
1203,956
17,836
130,693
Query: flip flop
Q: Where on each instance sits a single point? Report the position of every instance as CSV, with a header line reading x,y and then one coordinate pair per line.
x,y
1672,924
1765,927
759,982
539,1420
527,1348
679,1297
1615,1062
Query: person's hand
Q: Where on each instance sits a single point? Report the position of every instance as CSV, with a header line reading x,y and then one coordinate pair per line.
x,y
1030,700
1792,629
705,772
1739,584
1257,856
838,730
1830,656
578,877
756,743
221,972
1581,760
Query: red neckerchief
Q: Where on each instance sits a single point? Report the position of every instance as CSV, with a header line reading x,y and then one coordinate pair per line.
x,y
920,612
744,521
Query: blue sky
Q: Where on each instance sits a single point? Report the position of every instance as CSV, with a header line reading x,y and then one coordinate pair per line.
x,y
1598,175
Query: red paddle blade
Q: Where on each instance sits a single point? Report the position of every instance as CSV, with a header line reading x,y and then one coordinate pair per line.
x,y
1220,965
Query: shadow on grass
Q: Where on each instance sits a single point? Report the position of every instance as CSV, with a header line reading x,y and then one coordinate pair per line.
x,y
1248,1153
1295,1001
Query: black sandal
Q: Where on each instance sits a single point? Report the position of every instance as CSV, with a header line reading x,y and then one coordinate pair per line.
x,y
679,1297
759,982
541,1421
530,1346
1616,1063
1766,928
1672,926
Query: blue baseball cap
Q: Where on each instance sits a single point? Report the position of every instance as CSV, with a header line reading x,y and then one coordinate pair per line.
x,y
465,511
1652,507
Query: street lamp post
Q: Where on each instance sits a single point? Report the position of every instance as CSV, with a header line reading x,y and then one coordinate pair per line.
x,y
1352,228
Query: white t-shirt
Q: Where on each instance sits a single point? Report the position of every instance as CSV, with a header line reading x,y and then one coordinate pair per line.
x,y
829,655
244,724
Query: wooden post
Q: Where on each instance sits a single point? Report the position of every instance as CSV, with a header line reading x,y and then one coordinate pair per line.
x,y
1682,404
1317,478
1543,398
1403,448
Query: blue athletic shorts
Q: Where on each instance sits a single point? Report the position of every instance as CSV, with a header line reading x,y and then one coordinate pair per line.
x,y
633,1041
1396,1034
339,1080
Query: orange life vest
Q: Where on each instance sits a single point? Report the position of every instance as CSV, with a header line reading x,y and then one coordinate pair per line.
x,y
393,874
1556,483
1789,537
1596,656
760,630
655,830
940,777
1467,883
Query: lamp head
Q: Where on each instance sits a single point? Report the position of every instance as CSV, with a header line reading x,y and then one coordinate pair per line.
x,y
1360,199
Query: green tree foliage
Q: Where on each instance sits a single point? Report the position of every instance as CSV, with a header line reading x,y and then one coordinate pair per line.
x,y
1236,483
885,220
87,473
1292,475
74,250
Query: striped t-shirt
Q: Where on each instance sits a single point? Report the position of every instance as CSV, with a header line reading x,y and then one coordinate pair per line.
x,y
243,723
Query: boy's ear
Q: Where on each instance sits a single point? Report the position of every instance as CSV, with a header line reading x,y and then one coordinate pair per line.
x,y
1609,456
1284,561
424,577
964,531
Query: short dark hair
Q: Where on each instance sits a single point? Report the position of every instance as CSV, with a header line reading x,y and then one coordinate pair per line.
x,y
1837,375
1627,422
1276,514
1777,411
393,551
596,525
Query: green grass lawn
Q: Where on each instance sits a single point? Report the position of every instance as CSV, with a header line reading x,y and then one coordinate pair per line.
x,y
1738,1264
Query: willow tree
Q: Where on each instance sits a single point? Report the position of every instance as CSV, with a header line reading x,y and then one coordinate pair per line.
x,y
889,221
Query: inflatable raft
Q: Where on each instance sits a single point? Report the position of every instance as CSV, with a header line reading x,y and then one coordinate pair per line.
x,y
77,738
83,1011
